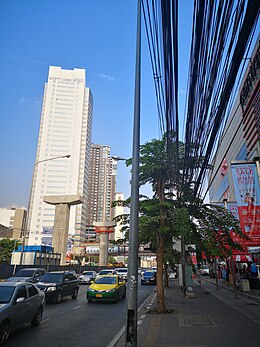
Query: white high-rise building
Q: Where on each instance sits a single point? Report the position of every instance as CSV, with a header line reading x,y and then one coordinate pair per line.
x,y
65,129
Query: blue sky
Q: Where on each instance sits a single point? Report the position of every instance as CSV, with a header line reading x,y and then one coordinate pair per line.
x,y
98,35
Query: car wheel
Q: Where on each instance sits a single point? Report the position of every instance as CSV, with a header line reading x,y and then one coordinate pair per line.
x,y
4,332
37,318
74,296
57,299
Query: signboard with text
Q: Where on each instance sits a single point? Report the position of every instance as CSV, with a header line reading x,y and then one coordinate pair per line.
x,y
247,190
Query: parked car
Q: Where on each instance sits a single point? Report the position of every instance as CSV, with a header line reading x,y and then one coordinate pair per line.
x,y
122,273
204,270
20,303
148,277
58,284
106,272
107,288
87,277
27,275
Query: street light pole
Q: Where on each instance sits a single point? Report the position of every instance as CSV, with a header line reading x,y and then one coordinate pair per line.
x,y
29,204
132,276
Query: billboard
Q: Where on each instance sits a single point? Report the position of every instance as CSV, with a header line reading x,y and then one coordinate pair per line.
x,y
247,191
47,233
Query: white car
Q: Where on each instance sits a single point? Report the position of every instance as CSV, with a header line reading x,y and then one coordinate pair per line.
x,y
106,272
204,270
122,273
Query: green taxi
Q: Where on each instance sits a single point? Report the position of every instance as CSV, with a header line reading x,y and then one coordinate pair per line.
x,y
106,288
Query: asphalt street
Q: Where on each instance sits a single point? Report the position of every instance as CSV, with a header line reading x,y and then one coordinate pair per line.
x,y
77,323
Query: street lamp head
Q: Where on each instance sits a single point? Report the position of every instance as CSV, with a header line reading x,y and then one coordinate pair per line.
x,y
116,157
67,156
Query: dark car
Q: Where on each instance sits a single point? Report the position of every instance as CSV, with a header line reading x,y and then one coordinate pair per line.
x,y
58,284
148,277
20,304
27,275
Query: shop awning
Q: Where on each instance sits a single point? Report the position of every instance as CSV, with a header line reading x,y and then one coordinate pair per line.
x,y
242,258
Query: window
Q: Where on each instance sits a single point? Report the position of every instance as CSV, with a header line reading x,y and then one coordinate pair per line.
x,y
32,290
21,293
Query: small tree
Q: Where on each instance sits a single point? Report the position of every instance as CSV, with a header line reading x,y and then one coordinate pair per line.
x,y
7,246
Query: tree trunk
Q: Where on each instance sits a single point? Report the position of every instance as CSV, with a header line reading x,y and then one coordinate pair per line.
x,y
160,289
165,277
160,252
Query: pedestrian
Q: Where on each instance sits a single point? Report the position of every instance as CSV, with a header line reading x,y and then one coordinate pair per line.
x,y
253,269
224,274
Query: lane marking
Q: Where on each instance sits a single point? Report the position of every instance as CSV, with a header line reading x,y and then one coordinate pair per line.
x,y
74,308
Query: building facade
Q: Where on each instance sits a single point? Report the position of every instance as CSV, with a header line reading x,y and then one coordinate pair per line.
x,y
65,130
13,222
101,189
240,140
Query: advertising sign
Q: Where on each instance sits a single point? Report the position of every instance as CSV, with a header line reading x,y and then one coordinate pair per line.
x,y
247,191
47,233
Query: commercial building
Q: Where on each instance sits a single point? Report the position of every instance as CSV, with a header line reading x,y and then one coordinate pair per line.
x,y
65,130
234,178
240,140
12,222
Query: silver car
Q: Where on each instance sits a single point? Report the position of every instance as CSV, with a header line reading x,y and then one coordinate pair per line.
x,y
20,304
27,275
87,277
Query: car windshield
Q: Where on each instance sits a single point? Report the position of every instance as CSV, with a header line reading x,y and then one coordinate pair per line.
x,y
205,266
122,270
87,273
149,274
105,272
106,280
51,277
24,273
6,294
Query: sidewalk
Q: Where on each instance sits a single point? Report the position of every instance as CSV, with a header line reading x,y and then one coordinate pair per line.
x,y
252,295
214,318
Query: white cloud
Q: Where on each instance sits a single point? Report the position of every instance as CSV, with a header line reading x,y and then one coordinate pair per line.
x,y
106,77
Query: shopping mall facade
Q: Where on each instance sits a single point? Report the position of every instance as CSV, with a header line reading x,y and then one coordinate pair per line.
x,y
234,178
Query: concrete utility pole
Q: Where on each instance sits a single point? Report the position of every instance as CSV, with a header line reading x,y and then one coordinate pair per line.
x,y
103,229
132,277
61,221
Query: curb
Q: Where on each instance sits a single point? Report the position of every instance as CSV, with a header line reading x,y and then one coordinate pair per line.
x,y
121,332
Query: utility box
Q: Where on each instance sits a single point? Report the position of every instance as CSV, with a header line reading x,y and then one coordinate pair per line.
x,y
245,286
180,277
188,276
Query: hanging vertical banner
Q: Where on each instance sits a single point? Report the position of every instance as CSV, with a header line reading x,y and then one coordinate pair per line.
x,y
247,190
